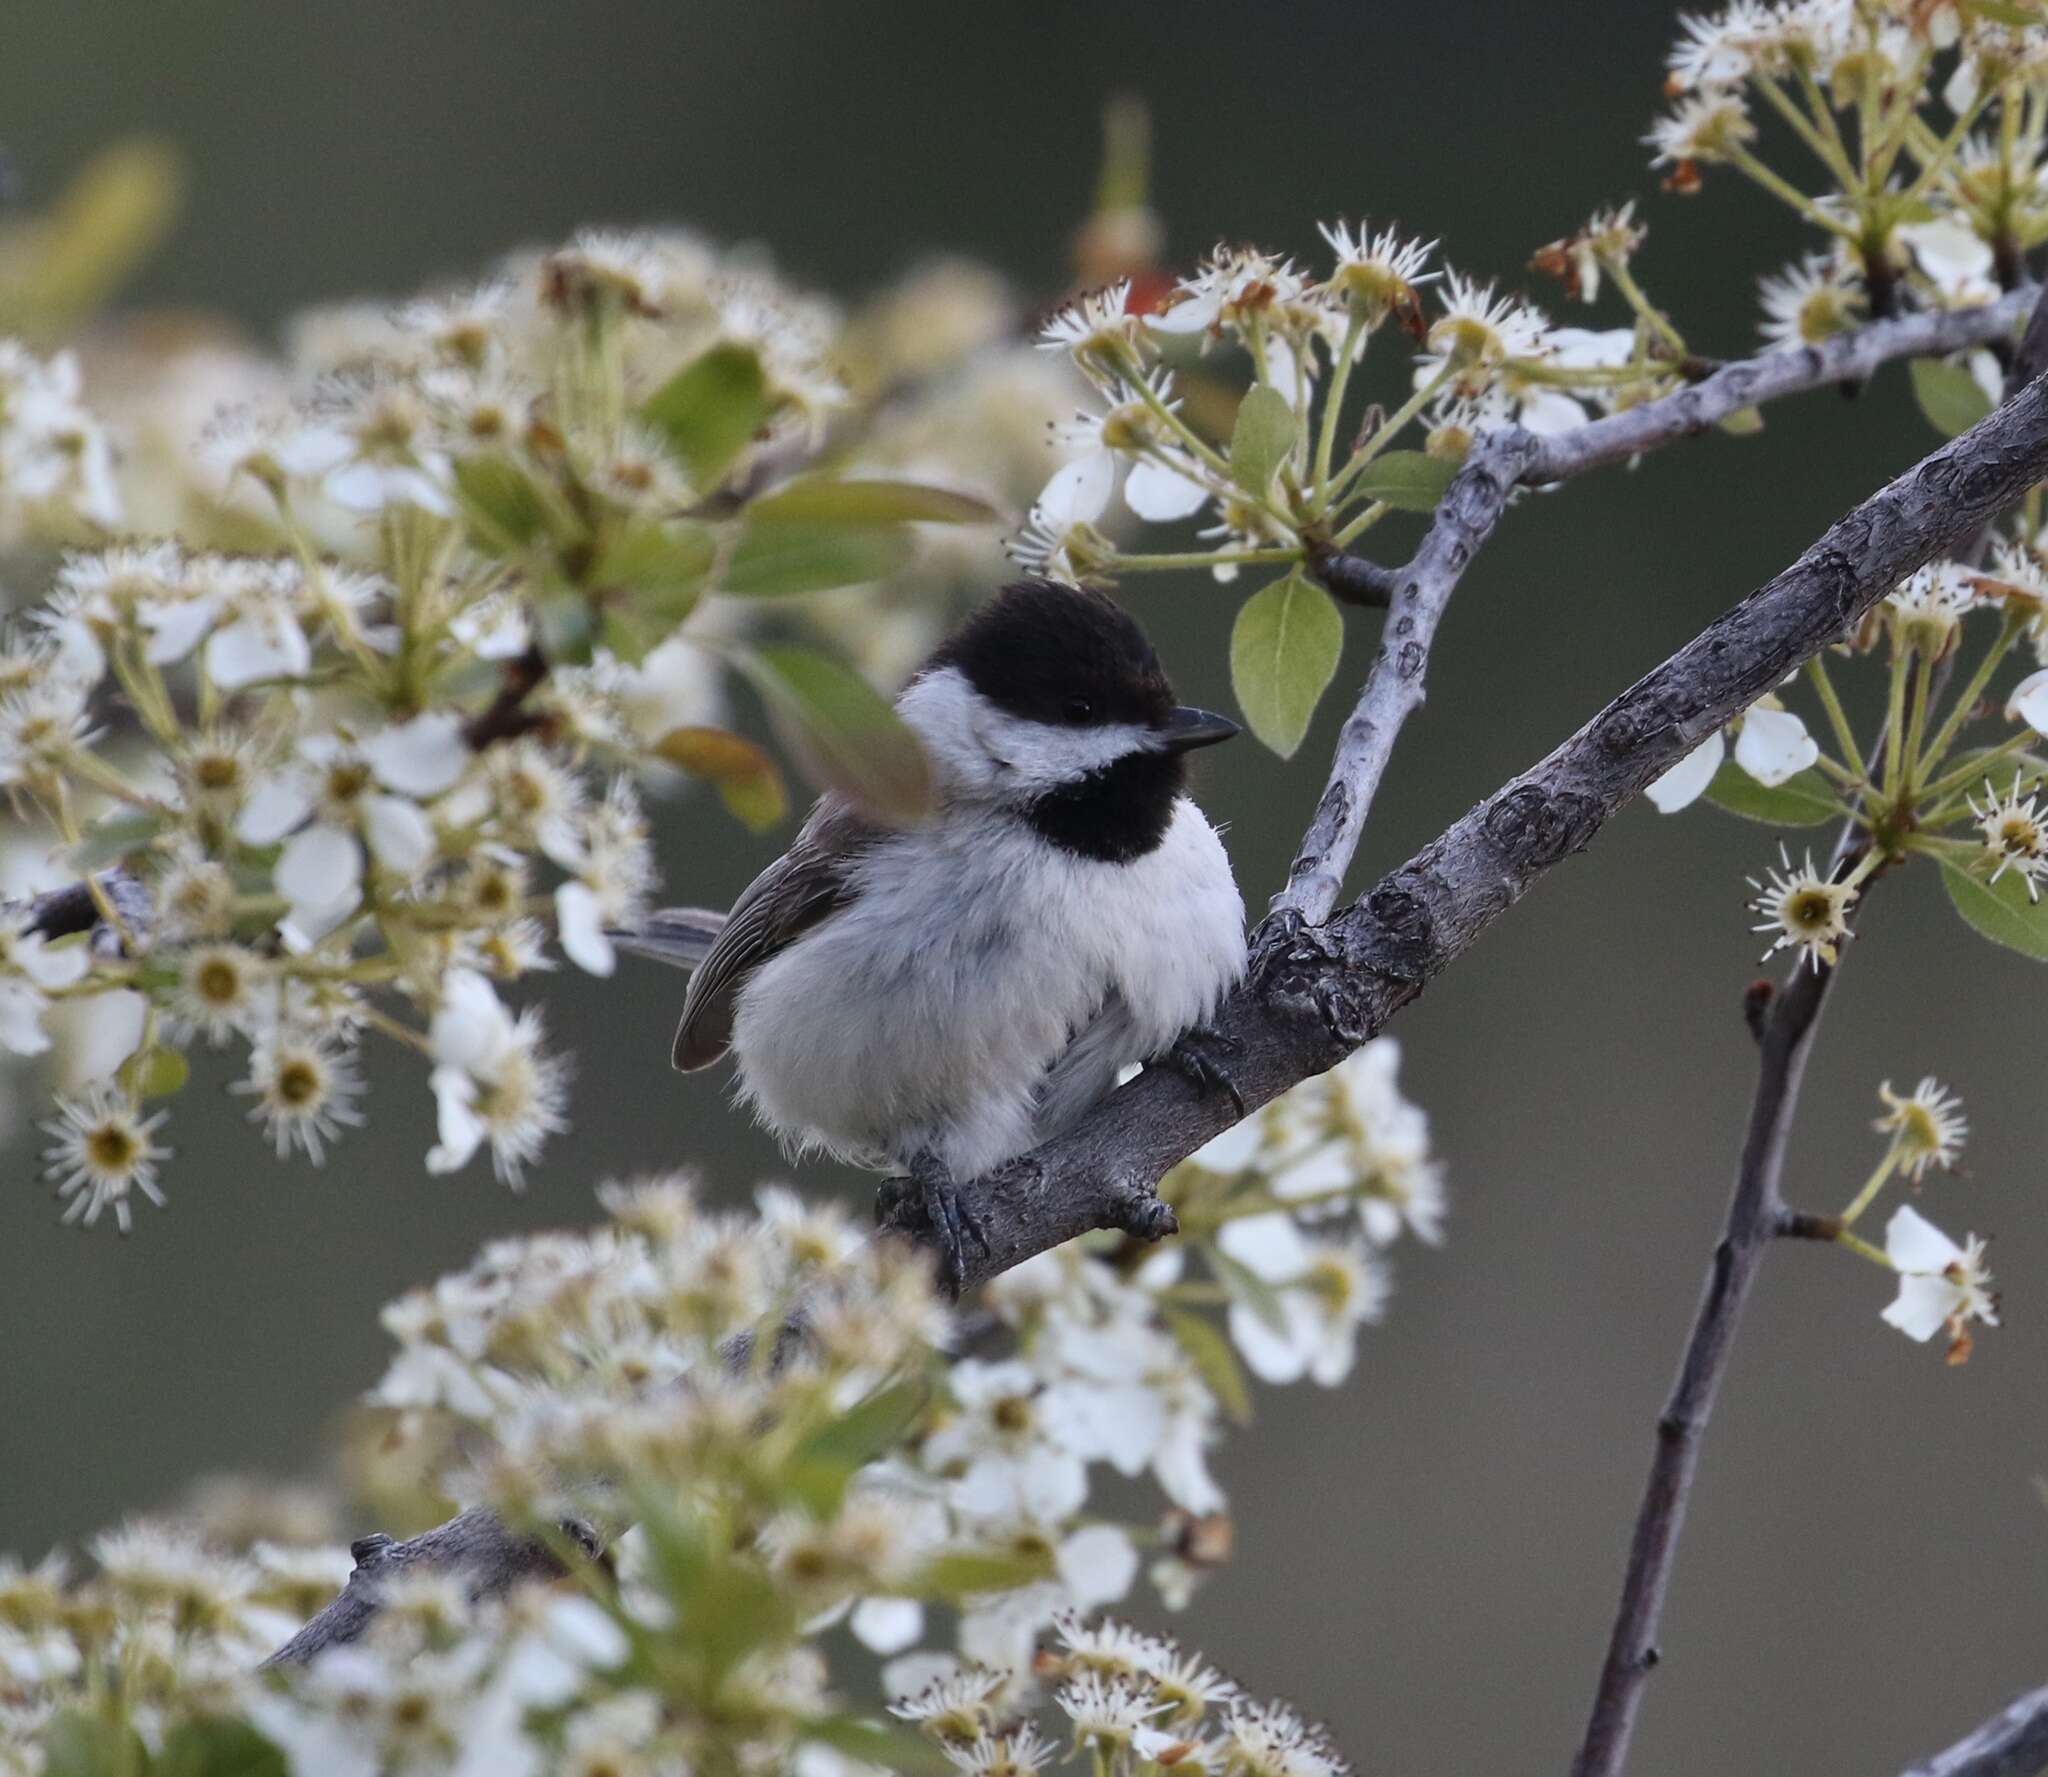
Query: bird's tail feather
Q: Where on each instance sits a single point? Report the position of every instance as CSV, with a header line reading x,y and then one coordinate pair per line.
x,y
682,937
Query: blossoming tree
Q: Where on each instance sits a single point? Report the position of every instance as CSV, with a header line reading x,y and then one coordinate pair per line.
x,y
360,669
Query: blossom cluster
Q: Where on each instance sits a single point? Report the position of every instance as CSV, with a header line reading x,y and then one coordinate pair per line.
x,y
362,665
791,1448
1920,124
1928,784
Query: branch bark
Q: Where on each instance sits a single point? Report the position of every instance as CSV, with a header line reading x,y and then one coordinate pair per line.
x,y
2013,1743
1479,494
1314,992
1318,988
1756,1215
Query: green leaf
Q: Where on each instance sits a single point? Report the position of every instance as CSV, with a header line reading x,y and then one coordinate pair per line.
x,y
822,499
1408,480
155,1072
113,838
823,1464
710,410
747,780
1261,438
1803,800
779,556
1283,653
867,1742
2029,768
218,1746
1208,1349
842,731
498,497
2000,910
664,565
647,580
79,1745
1744,422
966,1572
1949,396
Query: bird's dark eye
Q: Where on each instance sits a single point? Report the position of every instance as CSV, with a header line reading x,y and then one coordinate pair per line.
x,y
1079,709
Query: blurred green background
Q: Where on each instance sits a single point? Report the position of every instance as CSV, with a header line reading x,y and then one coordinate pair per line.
x,y
1429,1557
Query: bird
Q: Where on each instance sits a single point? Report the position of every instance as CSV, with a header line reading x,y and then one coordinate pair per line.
x,y
933,1000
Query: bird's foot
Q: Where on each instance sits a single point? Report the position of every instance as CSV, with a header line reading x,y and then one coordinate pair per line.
x,y
1203,1053
931,1205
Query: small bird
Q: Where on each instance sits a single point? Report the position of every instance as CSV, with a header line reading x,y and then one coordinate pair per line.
x,y
934,1000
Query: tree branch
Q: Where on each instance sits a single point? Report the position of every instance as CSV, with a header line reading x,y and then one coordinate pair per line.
x,y
2013,1743
474,1544
1316,992
1756,1215
1478,495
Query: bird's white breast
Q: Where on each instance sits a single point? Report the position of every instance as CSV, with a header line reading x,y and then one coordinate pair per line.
x,y
924,1014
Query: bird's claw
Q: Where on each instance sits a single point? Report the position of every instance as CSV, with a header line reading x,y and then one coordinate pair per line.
x,y
948,1214
1201,1052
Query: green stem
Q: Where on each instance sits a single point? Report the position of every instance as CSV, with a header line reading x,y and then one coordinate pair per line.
x,y
1824,688
1333,401
1660,323
1895,720
1198,558
1863,1249
1951,781
1785,191
1966,701
1362,523
1871,1186
1832,151
1916,723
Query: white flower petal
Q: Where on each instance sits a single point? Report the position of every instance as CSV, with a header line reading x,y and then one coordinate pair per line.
x,y
320,872
1079,491
1913,1243
96,1034
471,1028
21,1019
1270,1355
1097,1565
580,926
887,1625
1774,746
47,964
1686,782
1161,495
1547,412
1922,1306
399,834
1197,314
461,1130
1268,1246
175,626
277,805
420,758
2030,701
265,645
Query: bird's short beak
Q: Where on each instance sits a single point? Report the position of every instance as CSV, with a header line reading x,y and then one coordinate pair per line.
x,y
1187,729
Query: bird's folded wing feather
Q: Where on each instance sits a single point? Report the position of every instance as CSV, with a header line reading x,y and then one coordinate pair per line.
x,y
792,895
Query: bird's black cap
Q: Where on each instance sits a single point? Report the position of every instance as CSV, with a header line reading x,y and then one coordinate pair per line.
x,y
1060,654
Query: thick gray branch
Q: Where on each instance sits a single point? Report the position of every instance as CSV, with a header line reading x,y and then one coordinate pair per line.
x,y
1315,992
476,1545
1472,506
2013,1743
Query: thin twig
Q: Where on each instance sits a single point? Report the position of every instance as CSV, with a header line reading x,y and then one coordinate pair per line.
x,y
1473,504
1317,991
1756,1216
2013,1743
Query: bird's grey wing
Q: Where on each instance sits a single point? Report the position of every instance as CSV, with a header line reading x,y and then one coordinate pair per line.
x,y
1086,1071
800,888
